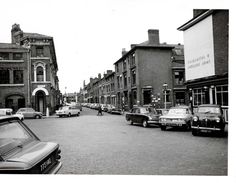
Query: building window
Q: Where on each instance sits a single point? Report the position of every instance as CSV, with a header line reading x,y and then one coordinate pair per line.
x,y
39,73
222,95
17,56
179,77
4,77
199,96
124,66
133,77
118,81
125,80
132,60
39,51
180,98
18,76
4,56
147,99
117,67
134,93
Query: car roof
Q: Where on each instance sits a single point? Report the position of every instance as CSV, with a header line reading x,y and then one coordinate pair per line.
x,y
209,105
180,107
6,118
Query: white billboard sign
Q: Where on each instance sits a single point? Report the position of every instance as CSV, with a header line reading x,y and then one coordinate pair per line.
x,y
199,50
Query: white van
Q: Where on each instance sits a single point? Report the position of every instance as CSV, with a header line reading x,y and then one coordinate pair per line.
x,y
68,111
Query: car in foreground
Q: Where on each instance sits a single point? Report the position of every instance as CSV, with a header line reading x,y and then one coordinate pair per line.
x,y
9,112
68,111
208,118
22,152
179,116
143,115
30,113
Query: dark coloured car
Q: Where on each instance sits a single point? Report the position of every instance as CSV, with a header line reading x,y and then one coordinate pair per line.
x,y
29,113
208,118
21,151
178,116
143,115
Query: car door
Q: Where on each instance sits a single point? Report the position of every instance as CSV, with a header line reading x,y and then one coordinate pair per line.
x,y
30,113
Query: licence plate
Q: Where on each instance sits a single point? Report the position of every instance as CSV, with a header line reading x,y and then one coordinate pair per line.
x,y
45,164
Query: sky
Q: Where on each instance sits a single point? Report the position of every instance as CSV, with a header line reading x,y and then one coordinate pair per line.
x,y
89,34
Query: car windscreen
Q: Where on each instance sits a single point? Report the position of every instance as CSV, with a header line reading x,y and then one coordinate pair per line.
x,y
147,110
206,110
177,111
12,135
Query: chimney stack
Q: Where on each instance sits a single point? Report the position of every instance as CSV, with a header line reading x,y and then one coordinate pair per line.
x,y
153,36
123,52
16,34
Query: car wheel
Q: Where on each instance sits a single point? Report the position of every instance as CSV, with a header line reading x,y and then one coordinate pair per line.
x,y
60,116
69,115
131,122
145,124
37,117
163,127
195,132
78,114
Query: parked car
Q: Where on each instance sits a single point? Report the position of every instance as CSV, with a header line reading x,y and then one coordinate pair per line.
x,y
116,110
22,152
110,107
29,113
68,111
105,108
179,116
9,112
144,116
208,118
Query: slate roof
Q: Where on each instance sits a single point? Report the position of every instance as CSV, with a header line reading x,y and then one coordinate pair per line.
x,y
11,46
34,35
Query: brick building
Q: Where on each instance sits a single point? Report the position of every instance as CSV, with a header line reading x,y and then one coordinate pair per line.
x,y
206,61
141,73
35,66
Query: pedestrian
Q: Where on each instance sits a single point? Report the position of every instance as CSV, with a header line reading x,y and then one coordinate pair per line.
x,y
99,110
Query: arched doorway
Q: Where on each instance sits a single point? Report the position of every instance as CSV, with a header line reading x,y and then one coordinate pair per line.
x,y
40,101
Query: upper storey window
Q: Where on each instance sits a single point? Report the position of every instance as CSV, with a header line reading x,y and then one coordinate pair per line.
x,y
40,73
17,56
39,51
4,56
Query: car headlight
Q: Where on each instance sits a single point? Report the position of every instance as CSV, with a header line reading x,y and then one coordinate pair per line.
x,y
217,120
149,117
195,118
163,119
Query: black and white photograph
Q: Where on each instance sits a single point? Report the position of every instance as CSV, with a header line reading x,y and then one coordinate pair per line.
x,y
117,90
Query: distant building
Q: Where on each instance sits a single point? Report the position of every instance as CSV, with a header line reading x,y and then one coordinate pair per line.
x,y
206,57
146,70
28,73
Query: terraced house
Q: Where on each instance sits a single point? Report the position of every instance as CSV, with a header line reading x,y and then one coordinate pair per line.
x,y
28,75
151,73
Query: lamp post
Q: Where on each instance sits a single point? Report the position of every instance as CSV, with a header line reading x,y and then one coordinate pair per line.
x,y
165,89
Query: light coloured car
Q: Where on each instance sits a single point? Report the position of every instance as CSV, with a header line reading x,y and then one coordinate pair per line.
x,y
9,112
179,116
22,152
68,111
30,113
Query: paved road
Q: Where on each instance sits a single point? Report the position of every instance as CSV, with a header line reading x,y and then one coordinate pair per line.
x,y
93,144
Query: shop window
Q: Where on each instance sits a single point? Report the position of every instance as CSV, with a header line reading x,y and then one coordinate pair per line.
x,y
4,56
39,73
4,77
222,95
180,98
18,76
179,77
199,97
39,51
17,56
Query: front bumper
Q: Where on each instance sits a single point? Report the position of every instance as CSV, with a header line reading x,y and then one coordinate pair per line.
x,y
153,122
173,123
205,128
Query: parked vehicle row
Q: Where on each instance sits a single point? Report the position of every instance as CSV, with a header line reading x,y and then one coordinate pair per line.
x,y
105,107
208,118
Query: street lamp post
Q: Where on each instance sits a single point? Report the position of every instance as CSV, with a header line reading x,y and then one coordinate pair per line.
x,y
165,89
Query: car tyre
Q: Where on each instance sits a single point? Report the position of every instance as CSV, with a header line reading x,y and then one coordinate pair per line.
x,y
163,127
69,115
78,114
131,122
37,117
145,124
195,132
